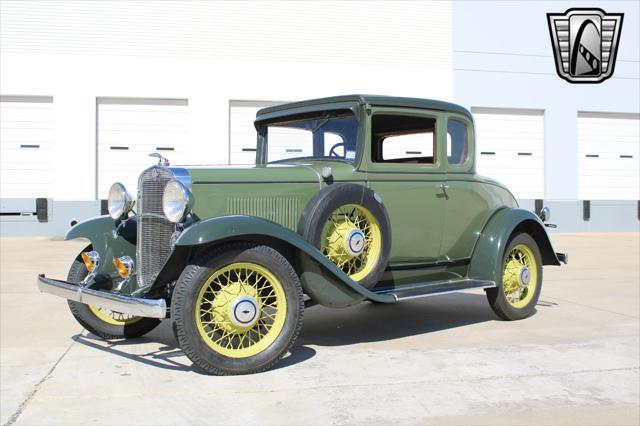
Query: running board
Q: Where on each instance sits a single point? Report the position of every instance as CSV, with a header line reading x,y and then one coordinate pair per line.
x,y
434,288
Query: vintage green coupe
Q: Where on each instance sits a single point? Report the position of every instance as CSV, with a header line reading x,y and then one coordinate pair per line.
x,y
352,198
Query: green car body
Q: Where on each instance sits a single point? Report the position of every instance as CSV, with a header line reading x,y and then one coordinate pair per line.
x,y
447,224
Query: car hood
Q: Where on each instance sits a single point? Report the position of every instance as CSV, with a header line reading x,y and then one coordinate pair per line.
x,y
272,173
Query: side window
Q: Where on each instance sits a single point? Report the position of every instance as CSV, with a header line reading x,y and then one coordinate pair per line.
x,y
403,139
457,142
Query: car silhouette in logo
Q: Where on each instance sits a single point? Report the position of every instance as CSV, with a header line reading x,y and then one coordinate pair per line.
x,y
585,43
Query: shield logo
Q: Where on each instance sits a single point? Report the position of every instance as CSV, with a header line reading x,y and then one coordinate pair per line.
x,y
585,43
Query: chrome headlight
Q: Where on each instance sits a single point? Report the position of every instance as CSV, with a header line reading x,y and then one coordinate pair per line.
x,y
120,202
176,201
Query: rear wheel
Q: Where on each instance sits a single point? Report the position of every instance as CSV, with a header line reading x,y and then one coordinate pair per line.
x,y
104,322
238,309
518,291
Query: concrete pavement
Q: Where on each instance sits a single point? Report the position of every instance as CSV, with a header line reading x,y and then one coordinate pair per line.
x,y
439,360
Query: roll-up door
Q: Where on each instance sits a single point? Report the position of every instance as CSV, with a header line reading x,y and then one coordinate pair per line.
x,y
26,146
242,133
131,129
510,149
608,156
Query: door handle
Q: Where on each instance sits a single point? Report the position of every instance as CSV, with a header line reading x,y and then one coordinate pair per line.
x,y
444,194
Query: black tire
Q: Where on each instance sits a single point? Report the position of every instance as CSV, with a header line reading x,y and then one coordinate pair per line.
x,y
324,203
185,300
496,296
85,316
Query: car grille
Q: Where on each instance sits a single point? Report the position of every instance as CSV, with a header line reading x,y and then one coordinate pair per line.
x,y
154,230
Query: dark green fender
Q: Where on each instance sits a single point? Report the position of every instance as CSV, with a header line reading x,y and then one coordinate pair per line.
x,y
333,289
486,261
100,231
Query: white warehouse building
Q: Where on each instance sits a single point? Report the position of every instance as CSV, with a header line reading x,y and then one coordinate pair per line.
x,y
89,89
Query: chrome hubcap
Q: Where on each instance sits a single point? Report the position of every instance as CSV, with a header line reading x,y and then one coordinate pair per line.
x,y
244,312
355,242
525,276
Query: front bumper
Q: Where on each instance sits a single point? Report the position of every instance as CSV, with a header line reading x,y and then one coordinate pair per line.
x,y
152,308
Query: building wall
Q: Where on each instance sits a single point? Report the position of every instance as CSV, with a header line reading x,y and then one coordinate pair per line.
x,y
503,59
208,53
479,54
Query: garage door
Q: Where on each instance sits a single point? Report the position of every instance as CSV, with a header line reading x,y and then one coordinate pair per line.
x,y
608,156
242,133
26,145
510,149
131,129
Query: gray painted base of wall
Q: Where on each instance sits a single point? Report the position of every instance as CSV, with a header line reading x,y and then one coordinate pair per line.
x,y
61,213
606,216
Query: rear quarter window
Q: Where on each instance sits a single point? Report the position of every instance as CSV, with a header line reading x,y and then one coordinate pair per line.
x,y
457,142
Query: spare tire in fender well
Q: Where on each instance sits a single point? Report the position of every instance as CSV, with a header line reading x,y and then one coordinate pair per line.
x,y
325,203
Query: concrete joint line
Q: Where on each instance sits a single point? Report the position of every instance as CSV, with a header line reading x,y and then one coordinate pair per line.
x,y
592,307
36,388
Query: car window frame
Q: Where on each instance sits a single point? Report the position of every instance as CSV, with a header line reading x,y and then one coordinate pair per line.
x,y
263,120
468,166
422,168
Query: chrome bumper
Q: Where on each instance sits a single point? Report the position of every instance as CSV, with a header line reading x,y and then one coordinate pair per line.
x,y
152,308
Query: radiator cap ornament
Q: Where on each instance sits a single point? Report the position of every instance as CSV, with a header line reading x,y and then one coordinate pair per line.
x,y
162,161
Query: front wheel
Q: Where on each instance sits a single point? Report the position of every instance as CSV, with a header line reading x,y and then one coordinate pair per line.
x,y
517,293
104,322
237,309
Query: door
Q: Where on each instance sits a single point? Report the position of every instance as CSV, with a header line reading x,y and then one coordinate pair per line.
x,y
26,146
510,149
406,171
129,130
242,133
608,156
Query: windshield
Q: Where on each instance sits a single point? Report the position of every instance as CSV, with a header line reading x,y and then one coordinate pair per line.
x,y
326,136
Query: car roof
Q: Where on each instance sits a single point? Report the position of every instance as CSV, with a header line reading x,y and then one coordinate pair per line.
x,y
374,100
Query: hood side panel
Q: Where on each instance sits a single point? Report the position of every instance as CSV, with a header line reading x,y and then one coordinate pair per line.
x,y
284,210
279,202
276,192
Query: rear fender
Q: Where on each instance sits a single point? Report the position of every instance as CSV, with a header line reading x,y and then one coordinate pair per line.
x,y
486,260
333,288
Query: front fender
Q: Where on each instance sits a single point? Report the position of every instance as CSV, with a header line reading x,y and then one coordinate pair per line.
x,y
486,260
104,240
333,288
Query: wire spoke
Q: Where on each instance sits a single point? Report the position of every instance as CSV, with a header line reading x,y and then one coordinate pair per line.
x,y
215,319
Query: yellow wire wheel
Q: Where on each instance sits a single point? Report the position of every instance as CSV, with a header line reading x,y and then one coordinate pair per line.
x,y
348,223
237,308
240,310
520,276
352,239
519,279
112,317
